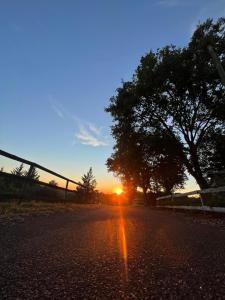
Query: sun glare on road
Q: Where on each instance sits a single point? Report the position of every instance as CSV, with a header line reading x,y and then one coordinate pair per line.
x,y
123,243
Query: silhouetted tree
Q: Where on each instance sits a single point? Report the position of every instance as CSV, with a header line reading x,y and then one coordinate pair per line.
x,y
216,150
19,171
53,183
33,174
178,91
87,191
2,181
15,184
147,161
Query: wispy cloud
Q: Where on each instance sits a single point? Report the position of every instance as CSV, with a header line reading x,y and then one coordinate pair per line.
x,y
170,3
57,107
95,129
87,133
58,111
90,135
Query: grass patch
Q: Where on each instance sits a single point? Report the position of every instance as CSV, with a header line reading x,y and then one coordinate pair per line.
x,y
35,207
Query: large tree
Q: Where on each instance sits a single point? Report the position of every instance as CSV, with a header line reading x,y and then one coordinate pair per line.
x,y
142,158
178,91
128,163
147,161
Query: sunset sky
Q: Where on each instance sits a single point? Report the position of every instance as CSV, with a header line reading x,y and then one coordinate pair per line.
x,y
61,61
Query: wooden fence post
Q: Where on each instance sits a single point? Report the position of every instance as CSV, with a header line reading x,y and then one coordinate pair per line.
x,y
202,203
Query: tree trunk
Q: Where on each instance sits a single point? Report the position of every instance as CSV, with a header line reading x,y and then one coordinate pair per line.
x,y
145,196
203,184
195,169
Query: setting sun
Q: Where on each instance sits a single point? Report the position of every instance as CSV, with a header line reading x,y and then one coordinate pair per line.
x,y
118,191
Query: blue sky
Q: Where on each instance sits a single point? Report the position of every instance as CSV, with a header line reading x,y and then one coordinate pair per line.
x,y
60,63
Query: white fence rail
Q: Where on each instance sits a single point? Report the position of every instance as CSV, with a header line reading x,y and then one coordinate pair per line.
x,y
189,207
205,191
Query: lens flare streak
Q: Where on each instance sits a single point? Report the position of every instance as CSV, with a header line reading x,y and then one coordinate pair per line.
x,y
123,244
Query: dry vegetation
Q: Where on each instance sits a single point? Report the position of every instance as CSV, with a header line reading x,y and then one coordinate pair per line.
x,y
38,207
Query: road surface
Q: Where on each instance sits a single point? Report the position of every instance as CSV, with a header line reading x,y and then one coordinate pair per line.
x,y
113,253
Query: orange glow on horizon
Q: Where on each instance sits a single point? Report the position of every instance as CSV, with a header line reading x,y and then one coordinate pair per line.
x,y
118,191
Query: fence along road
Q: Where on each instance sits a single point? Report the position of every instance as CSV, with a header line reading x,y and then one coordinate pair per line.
x,y
26,179
196,192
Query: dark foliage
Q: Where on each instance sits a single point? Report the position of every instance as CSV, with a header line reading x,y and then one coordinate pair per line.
x,y
87,193
171,116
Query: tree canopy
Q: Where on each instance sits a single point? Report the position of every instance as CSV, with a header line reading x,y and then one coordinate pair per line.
x,y
171,116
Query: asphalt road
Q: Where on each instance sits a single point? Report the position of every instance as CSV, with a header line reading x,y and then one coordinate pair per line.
x,y
113,253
